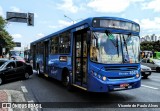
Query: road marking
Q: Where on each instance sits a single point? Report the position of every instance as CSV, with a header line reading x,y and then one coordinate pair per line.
x,y
154,77
31,101
24,89
149,87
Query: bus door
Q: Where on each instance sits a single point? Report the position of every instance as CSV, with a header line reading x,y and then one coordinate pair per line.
x,y
34,56
46,55
80,58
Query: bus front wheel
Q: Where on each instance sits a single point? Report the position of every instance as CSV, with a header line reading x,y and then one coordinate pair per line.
x,y
158,69
145,77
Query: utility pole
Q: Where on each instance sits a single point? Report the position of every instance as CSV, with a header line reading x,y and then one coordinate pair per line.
x,y
69,18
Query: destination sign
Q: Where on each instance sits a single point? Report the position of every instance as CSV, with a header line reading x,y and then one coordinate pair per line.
x,y
117,24
16,17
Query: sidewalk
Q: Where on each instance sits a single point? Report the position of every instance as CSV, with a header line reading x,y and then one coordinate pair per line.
x,y
3,98
8,96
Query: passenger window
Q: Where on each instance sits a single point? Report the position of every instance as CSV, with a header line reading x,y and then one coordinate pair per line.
x,y
11,65
19,64
54,45
64,46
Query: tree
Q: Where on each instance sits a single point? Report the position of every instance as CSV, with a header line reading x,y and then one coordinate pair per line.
x,y
150,46
6,40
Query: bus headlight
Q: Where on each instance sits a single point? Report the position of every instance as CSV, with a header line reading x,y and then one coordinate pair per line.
x,y
104,78
137,75
99,76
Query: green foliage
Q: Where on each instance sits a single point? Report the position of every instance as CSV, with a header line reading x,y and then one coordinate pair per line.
x,y
2,23
150,46
6,41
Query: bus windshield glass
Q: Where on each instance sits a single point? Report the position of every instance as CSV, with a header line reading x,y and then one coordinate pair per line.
x,y
109,48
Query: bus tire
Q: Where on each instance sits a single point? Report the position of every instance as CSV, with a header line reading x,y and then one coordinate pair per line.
x,y
66,80
1,80
145,77
157,69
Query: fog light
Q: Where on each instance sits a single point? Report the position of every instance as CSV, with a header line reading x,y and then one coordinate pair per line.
x,y
137,75
104,78
95,74
99,76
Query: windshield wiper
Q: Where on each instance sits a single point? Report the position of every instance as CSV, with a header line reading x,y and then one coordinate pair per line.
x,y
109,34
125,44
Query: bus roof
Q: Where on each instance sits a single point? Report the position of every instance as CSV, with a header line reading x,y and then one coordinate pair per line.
x,y
85,21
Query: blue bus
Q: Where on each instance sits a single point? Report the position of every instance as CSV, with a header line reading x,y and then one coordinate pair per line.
x,y
98,54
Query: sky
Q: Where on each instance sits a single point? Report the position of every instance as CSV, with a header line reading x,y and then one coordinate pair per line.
x,y
49,15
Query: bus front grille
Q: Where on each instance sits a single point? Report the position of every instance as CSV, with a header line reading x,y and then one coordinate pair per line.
x,y
125,77
120,78
121,68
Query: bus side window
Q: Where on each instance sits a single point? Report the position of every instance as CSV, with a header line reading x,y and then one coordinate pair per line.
x,y
64,43
54,45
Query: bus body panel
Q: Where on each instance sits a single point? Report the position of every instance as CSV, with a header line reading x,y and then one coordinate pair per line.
x,y
56,66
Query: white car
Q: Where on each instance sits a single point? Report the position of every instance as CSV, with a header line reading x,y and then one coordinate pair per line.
x,y
154,64
145,71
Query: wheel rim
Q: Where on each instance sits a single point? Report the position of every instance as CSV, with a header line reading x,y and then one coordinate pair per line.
x,y
67,81
38,71
26,75
0,80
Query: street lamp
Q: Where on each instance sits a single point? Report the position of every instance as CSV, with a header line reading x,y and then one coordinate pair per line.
x,y
69,18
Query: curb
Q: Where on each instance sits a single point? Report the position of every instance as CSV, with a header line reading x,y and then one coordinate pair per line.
x,y
9,99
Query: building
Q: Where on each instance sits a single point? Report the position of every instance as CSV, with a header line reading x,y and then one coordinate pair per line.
x,y
150,38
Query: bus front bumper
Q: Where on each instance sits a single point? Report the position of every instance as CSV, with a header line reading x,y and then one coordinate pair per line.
x,y
95,85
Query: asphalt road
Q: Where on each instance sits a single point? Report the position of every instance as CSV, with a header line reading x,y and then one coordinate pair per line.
x,y
41,89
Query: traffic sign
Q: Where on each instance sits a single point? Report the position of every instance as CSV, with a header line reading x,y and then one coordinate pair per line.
x,y
16,17
18,44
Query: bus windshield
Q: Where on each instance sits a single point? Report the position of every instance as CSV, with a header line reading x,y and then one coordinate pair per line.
x,y
111,48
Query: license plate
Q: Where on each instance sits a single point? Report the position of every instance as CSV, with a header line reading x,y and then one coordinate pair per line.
x,y
124,85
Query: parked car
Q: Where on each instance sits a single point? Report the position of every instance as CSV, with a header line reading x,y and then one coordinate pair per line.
x,y
154,64
19,58
145,71
12,69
